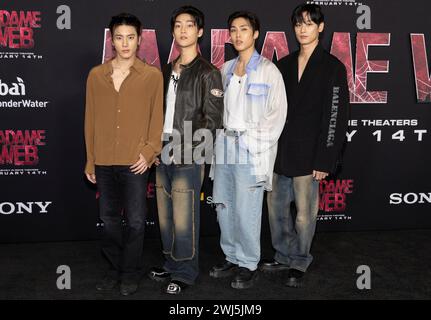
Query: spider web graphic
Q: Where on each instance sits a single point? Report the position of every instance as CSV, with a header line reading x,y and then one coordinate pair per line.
x,y
275,41
219,37
360,94
357,80
365,66
420,63
148,50
108,51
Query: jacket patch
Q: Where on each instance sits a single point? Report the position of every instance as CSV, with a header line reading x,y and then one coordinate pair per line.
x,y
217,93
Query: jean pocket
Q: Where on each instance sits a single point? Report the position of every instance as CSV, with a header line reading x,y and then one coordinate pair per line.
x,y
161,190
183,247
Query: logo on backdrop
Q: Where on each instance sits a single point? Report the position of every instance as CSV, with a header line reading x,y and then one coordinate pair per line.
x,y
13,94
17,34
410,198
38,207
333,199
20,152
13,89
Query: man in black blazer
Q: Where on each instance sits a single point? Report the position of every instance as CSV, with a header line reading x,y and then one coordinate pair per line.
x,y
310,145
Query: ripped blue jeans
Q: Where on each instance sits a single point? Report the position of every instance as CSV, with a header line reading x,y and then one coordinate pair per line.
x,y
238,199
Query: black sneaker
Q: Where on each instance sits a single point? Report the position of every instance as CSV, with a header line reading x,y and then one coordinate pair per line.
x,y
159,274
272,266
223,270
244,278
128,287
176,287
106,284
294,278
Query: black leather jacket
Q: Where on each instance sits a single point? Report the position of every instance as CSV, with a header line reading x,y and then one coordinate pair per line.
x,y
199,96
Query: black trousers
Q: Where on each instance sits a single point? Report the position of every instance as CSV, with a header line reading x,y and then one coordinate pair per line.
x,y
123,196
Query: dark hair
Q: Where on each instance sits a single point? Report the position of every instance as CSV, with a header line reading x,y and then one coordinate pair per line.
x,y
251,17
313,10
197,15
126,19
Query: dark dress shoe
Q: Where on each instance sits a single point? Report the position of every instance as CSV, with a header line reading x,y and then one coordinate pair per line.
x,y
244,279
272,266
159,274
128,287
223,270
294,278
106,284
176,287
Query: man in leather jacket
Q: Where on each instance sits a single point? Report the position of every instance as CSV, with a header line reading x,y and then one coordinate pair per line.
x,y
193,106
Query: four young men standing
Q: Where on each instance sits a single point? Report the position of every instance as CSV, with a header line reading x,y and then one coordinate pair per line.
x,y
123,130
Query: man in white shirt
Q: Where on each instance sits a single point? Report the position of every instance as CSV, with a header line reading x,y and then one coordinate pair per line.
x,y
254,116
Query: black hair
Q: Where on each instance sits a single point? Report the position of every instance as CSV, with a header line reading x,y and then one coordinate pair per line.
x,y
314,11
251,17
197,15
126,19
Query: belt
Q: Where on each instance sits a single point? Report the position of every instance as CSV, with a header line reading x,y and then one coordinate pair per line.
x,y
233,133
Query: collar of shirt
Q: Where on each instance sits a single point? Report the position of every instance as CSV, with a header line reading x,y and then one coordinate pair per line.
x,y
251,66
190,64
138,66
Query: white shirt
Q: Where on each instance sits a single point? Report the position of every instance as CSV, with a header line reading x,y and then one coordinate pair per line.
x,y
170,103
235,103
266,104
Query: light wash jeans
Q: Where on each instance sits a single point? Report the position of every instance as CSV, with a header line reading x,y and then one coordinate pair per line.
x,y
238,199
292,240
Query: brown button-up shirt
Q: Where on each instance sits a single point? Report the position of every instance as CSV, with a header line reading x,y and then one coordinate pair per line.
x,y
121,125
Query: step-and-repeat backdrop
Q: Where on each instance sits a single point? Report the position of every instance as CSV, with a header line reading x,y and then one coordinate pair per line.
x,y
48,47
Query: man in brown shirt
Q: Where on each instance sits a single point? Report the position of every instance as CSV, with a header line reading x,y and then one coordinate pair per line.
x,y
123,127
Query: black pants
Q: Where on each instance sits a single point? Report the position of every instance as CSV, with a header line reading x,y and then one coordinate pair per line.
x,y
123,195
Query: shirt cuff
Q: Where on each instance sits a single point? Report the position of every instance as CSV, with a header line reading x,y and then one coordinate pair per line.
x,y
89,167
149,154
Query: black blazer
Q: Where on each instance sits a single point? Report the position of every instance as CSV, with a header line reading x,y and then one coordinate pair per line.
x,y
316,123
